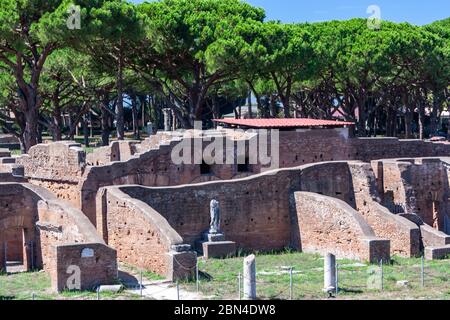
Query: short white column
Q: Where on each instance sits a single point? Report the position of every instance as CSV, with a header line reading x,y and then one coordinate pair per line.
x,y
250,278
330,272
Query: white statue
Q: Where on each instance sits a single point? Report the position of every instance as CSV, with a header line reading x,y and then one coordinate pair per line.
x,y
214,227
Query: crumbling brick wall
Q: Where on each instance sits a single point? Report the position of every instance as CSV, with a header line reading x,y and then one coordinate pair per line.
x,y
141,236
404,235
255,211
420,185
48,223
329,225
57,167
62,168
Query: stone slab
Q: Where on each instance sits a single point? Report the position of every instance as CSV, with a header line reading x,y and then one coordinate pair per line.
x,y
218,250
219,237
436,253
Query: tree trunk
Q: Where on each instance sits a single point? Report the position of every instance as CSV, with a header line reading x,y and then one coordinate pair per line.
x,y
119,106
362,117
105,119
136,131
143,102
30,134
273,106
434,114
250,111
85,130
57,125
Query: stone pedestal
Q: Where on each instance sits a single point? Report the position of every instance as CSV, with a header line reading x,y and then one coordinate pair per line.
x,y
215,246
250,278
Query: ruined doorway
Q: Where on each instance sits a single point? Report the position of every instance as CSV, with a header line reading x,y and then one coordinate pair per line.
x,y
15,250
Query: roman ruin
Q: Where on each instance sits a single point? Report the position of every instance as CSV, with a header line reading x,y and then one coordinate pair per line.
x,y
359,198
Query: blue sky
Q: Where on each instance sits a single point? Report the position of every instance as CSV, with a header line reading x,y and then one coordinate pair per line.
x,y
418,12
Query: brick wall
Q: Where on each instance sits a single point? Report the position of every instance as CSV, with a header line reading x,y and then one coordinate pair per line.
x,y
329,225
420,185
61,167
404,235
141,236
97,267
47,223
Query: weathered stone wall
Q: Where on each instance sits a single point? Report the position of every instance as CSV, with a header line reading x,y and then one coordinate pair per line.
x,y
61,167
96,262
152,168
404,235
421,186
255,211
329,225
57,167
141,236
258,212
48,223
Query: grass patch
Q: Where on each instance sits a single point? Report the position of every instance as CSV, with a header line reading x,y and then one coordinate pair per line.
x,y
219,278
37,285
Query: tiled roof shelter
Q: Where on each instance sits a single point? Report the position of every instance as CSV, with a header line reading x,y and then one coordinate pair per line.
x,y
283,123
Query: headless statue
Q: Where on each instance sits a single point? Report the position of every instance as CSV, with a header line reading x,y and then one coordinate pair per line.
x,y
214,227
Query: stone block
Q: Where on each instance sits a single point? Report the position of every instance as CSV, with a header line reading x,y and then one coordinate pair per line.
x,y
218,250
436,253
181,265
208,237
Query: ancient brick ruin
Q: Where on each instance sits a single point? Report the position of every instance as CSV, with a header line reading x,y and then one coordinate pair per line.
x,y
365,199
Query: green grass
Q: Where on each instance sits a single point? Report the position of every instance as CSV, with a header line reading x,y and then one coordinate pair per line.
x,y
147,275
219,278
22,286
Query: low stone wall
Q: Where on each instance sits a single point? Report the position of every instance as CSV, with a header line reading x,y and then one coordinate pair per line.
x,y
116,151
141,236
255,211
83,266
329,225
434,238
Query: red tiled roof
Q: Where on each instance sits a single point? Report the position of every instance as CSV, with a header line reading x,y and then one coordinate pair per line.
x,y
283,123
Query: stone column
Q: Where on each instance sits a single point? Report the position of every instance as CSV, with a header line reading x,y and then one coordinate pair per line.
x,y
167,114
250,278
330,272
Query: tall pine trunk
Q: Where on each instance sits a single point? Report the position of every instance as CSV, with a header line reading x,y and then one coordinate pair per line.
x,y
120,115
